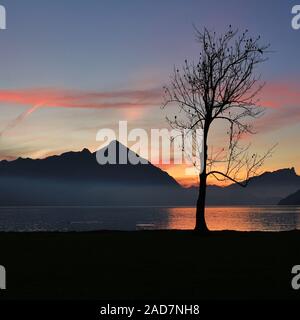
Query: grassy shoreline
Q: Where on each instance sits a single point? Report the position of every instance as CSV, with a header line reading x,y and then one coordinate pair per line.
x,y
149,265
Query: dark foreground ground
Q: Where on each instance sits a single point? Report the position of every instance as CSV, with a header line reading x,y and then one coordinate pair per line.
x,y
149,265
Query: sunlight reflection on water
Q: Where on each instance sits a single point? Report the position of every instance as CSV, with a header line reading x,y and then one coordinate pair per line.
x,y
261,218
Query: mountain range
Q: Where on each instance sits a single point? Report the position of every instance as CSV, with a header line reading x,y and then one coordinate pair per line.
x,y
266,189
76,178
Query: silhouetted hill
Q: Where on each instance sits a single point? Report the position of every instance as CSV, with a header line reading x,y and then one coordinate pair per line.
x,y
82,166
293,199
268,188
76,178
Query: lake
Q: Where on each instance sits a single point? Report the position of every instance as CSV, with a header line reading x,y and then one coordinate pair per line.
x,y
254,218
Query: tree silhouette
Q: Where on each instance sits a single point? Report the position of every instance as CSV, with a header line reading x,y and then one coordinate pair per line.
x,y
222,86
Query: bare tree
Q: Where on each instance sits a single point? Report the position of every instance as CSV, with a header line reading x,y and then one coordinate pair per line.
x,y
222,86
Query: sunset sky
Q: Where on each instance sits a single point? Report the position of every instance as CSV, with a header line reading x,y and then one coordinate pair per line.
x,y
70,68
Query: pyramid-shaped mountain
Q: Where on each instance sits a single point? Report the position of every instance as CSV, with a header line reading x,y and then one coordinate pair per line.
x,y
76,178
83,167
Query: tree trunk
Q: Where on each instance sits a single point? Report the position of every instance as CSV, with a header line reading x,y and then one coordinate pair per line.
x,y
200,212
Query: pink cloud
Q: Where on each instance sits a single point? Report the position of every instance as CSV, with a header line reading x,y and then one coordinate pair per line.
x,y
81,99
278,95
282,103
279,118
283,100
58,98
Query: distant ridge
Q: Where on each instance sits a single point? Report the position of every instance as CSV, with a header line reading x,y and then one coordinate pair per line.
x,y
76,178
291,200
267,188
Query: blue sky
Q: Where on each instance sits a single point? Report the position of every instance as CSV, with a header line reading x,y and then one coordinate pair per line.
x,y
101,43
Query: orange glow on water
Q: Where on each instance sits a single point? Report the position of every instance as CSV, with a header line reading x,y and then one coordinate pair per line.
x,y
263,218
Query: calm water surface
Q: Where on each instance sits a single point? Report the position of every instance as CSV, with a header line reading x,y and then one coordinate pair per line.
x,y
261,218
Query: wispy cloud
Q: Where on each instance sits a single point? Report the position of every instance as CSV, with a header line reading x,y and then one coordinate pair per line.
x,y
279,118
20,118
278,95
57,98
81,99
283,102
